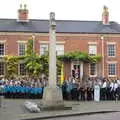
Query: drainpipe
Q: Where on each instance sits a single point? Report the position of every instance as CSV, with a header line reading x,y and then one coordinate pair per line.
x,y
33,37
102,38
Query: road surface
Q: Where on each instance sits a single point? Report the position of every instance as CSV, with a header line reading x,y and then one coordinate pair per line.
x,y
106,116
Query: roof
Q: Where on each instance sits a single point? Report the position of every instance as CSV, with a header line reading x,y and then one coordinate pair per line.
x,y
62,26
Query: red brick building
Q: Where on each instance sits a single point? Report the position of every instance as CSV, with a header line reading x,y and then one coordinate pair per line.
x,y
95,37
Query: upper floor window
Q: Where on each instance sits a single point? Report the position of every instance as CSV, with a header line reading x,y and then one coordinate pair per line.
x,y
43,49
111,50
111,69
21,48
92,49
93,69
60,49
2,49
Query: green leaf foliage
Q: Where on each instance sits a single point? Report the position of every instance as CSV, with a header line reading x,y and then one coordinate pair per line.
x,y
12,65
32,61
29,50
81,56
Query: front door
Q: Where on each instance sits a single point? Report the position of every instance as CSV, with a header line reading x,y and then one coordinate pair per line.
x,y
77,70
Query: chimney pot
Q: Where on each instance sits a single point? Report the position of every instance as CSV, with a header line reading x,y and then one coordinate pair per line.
x,y
105,16
23,13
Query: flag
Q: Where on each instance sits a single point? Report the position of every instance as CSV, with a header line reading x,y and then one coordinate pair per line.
x,y
62,75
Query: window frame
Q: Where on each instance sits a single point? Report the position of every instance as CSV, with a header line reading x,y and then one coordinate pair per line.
x,y
112,63
21,42
19,70
3,49
95,52
48,47
59,51
95,70
3,68
108,54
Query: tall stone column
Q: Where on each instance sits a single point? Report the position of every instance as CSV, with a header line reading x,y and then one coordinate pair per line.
x,y
52,96
52,50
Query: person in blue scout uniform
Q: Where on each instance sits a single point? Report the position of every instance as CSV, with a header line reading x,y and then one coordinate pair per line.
x,y
64,90
6,91
75,92
10,91
13,89
27,90
35,93
18,91
32,92
68,90
23,92
39,92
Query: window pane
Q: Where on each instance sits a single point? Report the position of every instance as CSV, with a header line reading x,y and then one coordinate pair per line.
x,y
1,49
43,49
22,69
93,69
60,49
112,69
22,49
92,50
111,50
1,68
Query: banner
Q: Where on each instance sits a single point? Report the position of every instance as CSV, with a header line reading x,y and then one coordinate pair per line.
x,y
62,75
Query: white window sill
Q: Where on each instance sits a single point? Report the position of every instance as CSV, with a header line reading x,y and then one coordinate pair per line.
x,y
2,55
111,56
111,75
93,75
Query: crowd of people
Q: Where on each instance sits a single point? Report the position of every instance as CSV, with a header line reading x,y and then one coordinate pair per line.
x,y
72,89
23,88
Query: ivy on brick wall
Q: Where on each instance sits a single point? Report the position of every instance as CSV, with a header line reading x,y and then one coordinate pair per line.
x,y
11,65
81,56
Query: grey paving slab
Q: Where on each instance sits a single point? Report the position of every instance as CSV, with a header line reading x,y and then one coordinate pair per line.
x,y
13,109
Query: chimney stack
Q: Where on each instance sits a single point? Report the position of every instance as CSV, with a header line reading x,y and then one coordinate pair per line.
x,y
105,16
23,13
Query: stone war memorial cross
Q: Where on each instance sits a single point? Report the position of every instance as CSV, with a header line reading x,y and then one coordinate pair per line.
x,y
52,96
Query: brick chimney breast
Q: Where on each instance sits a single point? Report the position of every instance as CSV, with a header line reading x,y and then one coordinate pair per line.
x,y
105,16
23,14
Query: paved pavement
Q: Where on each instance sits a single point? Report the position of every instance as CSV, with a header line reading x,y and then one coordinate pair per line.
x,y
13,109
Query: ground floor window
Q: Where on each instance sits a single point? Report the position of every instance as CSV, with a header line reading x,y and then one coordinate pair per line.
x,y
22,69
93,69
2,68
111,69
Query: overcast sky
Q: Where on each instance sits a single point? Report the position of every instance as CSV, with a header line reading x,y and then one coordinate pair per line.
x,y
64,9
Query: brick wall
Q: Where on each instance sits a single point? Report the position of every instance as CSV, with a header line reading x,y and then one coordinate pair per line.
x,y
73,42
